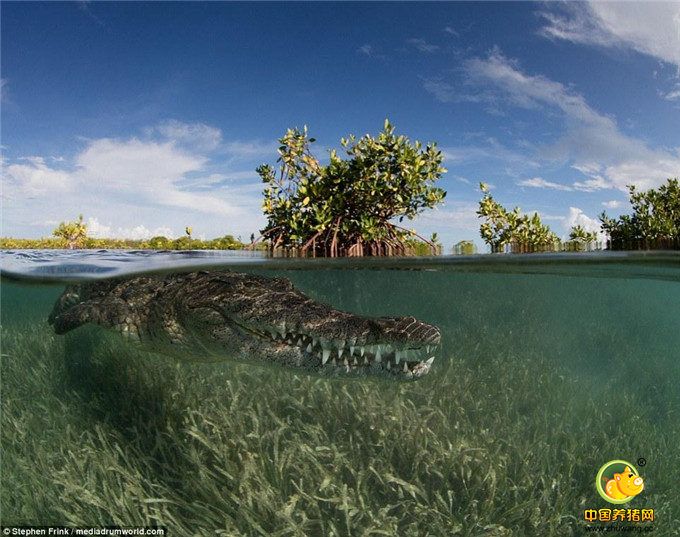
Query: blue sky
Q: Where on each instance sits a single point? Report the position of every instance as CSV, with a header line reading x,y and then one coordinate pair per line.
x,y
147,117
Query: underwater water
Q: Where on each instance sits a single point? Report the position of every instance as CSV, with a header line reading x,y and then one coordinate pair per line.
x,y
550,366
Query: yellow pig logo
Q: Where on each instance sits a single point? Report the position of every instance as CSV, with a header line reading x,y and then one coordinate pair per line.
x,y
618,482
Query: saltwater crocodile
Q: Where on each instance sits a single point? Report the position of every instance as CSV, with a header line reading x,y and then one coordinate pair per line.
x,y
221,314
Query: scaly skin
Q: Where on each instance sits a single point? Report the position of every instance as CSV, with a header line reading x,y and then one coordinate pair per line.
x,y
230,315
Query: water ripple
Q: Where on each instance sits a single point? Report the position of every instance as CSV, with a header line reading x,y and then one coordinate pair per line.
x,y
75,265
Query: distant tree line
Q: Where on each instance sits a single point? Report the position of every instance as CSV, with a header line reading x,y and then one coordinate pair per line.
x,y
655,223
354,206
73,235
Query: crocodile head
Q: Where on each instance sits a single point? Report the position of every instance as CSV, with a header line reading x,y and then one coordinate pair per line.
x,y
268,319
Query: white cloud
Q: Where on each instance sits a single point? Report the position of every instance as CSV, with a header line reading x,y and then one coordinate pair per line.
x,y
645,171
492,149
156,184
251,150
196,135
370,51
587,168
577,217
239,182
422,45
526,90
538,182
452,221
462,179
451,31
202,203
443,91
100,231
591,142
35,178
546,216
652,28
460,215
613,204
446,92
202,138
145,167
591,185
366,49
672,95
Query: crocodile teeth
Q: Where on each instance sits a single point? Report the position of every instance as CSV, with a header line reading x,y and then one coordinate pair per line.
x,y
299,341
351,350
309,348
405,367
389,365
429,361
335,362
365,361
340,351
326,356
346,362
398,355
363,350
378,358
356,362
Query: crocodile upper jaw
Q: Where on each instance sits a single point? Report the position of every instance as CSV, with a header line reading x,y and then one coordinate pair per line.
x,y
408,360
